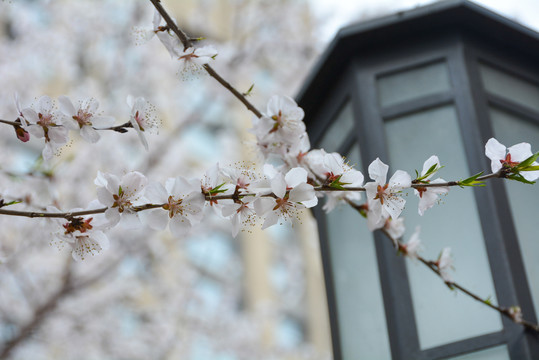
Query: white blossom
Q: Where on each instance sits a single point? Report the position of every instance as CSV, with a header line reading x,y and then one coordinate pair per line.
x,y
84,118
120,195
444,263
44,123
429,195
143,118
501,156
383,198
292,193
83,233
395,227
145,34
333,171
183,201
280,127
192,60
413,245
240,213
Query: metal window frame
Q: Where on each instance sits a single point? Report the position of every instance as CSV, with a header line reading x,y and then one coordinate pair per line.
x,y
357,84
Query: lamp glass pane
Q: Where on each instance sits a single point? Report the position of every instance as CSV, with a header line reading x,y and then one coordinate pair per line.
x,y
523,198
443,316
338,130
360,304
495,353
412,84
510,87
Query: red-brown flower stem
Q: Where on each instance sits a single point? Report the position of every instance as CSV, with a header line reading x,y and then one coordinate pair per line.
x,y
187,43
453,285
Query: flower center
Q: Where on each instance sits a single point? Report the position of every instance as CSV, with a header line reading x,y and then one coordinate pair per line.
x,y
45,120
508,163
173,206
380,193
83,118
121,200
77,224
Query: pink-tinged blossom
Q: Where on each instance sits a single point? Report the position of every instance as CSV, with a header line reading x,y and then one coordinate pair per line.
x,y
83,233
502,157
192,60
143,118
84,118
21,134
183,202
44,123
444,263
429,195
120,195
384,198
333,171
291,192
413,245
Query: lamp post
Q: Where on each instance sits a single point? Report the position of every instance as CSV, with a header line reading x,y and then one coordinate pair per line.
x,y
440,79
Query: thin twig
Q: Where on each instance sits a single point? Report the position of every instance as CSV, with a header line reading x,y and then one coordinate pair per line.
x,y
453,285
187,43
119,128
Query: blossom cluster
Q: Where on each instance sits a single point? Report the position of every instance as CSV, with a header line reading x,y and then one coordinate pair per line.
x,y
293,178
45,121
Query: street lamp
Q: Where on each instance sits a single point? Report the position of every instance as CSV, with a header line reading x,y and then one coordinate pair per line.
x,y
440,79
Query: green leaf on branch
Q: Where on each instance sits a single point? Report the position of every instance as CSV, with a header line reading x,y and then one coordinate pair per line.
x,y
2,203
520,178
248,92
217,190
472,181
433,169
527,163
488,300
337,184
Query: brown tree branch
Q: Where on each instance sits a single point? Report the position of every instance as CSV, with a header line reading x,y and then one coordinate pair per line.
x,y
187,43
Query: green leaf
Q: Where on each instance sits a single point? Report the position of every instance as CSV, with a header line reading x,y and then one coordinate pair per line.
x,y
337,184
433,169
526,163
248,92
488,300
520,178
472,181
217,190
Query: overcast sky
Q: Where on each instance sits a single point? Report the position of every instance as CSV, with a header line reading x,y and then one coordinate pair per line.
x,y
343,12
